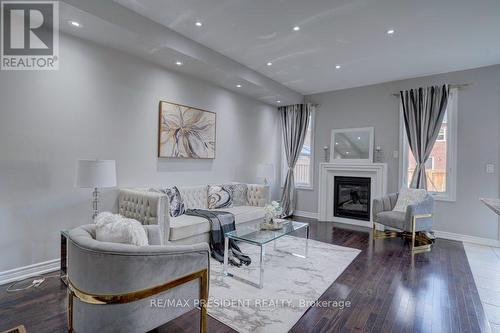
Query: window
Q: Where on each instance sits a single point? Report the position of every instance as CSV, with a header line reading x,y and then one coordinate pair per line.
x,y
442,131
304,170
429,164
441,165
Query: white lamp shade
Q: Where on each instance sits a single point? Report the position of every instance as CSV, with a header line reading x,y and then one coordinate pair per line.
x,y
95,173
266,170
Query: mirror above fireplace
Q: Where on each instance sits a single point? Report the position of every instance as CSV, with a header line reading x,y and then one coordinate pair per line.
x,y
352,145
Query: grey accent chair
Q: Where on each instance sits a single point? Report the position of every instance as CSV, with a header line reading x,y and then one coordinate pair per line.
x,y
125,288
415,224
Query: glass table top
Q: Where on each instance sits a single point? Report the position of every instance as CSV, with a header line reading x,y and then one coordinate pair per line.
x,y
260,237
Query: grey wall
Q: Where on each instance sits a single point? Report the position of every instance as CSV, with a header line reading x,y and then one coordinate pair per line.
x,y
478,141
104,104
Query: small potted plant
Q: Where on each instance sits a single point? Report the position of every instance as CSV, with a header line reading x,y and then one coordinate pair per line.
x,y
271,218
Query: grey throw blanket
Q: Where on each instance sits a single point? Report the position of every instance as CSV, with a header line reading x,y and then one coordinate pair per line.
x,y
220,223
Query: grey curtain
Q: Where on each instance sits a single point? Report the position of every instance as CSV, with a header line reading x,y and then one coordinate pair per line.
x,y
294,123
423,111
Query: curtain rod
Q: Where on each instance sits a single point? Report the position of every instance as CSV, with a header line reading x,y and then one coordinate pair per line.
x,y
457,86
313,104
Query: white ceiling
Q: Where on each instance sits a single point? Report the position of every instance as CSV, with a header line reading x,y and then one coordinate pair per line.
x,y
110,24
432,36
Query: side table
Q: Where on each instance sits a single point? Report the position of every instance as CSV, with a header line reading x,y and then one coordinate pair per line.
x,y
64,260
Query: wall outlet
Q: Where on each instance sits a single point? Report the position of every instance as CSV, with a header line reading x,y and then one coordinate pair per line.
x,y
490,168
395,154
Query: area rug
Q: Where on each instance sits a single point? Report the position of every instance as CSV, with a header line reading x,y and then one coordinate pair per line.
x,y
18,329
291,285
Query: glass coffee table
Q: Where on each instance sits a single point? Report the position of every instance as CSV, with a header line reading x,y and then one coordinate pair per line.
x,y
261,238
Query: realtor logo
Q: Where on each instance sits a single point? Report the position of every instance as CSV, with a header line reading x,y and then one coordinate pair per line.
x,y
30,35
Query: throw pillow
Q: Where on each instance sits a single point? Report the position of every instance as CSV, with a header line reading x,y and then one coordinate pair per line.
x,y
409,196
115,228
176,204
240,193
219,197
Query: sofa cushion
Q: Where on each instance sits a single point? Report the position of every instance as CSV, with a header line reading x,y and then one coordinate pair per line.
x,y
176,204
408,196
186,226
244,214
115,228
240,193
219,197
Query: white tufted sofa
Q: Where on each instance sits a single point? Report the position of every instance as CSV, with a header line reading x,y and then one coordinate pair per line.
x,y
152,208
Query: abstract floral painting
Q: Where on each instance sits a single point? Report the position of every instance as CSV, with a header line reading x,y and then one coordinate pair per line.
x,y
185,132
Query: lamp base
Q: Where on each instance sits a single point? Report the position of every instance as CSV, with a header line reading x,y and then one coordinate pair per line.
x,y
95,203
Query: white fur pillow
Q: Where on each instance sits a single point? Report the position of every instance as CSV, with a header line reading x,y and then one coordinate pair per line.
x,y
409,196
115,228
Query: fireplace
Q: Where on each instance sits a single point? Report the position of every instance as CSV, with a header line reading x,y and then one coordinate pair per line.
x,y
352,197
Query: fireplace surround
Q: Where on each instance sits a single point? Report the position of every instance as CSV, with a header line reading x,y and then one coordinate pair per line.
x,y
376,172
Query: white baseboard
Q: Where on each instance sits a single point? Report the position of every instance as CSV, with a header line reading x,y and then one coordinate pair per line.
x,y
467,238
302,213
365,224
311,215
28,271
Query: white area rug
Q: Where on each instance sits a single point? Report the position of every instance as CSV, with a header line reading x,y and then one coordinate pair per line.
x,y
291,285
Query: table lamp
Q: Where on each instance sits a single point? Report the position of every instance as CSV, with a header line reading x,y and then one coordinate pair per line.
x,y
266,171
95,174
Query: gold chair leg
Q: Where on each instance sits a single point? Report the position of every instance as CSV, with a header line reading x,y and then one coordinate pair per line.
x,y
419,242
70,311
377,234
425,243
203,301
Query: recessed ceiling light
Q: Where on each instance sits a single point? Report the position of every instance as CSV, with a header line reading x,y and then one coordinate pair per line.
x,y
278,101
359,138
296,28
238,86
198,24
336,143
347,153
75,24
390,31
337,66
269,63
178,63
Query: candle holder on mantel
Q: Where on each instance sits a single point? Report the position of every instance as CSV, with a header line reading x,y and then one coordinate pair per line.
x,y
379,154
325,150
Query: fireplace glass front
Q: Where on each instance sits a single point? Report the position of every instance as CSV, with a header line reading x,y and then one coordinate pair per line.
x,y
352,197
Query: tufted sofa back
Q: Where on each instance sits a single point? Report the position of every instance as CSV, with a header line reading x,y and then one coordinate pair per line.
x,y
145,207
257,195
197,197
140,205
149,207
194,196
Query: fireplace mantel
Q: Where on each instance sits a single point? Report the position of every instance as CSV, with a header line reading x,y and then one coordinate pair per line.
x,y
327,172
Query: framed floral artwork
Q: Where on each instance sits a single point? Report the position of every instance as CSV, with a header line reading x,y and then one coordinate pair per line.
x,y
186,132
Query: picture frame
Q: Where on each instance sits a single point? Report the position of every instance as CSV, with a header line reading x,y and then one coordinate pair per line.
x,y
186,132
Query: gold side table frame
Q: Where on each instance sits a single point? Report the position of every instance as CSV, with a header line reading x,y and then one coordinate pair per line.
x,y
90,298
419,241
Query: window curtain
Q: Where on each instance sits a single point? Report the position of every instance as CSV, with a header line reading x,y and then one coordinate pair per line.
x,y
423,112
294,124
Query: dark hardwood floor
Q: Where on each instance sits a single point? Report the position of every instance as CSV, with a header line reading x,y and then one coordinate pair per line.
x,y
389,289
